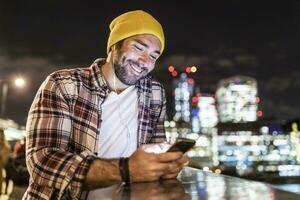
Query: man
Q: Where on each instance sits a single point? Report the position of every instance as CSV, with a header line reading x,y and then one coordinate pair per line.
x,y
5,151
86,127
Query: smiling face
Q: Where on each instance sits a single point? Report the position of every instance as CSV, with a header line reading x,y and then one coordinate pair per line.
x,y
135,57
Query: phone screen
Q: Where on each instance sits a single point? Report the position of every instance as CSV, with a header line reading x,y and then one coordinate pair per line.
x,y
182,144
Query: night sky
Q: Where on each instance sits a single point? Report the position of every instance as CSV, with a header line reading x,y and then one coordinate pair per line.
x,y
260,39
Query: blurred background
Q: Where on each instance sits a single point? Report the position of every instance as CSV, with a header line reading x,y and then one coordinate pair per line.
x,y
230,70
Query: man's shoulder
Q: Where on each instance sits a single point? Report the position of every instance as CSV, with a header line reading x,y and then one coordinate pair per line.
x,y
71,73
69,81
85,75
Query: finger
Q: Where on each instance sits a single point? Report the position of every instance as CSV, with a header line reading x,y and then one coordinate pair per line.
x,y
144,146
165,167
183,160
175,169
169,156
169,176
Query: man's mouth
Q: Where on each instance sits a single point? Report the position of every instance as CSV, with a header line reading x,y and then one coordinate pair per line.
x,y
136,70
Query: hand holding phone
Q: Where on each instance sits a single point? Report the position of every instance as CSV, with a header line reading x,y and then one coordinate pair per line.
x,y
182,144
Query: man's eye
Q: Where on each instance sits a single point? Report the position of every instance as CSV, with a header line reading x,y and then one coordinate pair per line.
x,y
138,48
153,57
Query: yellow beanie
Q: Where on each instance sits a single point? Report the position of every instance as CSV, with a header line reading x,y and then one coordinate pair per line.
x,y
134,23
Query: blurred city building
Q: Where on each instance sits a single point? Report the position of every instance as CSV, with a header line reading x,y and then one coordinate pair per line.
x,y
208,115
12,130
232,137
8,123
184,88
237,99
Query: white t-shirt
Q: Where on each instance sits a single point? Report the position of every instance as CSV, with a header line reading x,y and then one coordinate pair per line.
x,y
118,132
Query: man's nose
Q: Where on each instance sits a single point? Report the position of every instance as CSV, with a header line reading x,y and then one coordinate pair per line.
x,y
144,60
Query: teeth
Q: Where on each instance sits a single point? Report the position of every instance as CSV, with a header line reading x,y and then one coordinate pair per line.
x,y
135,69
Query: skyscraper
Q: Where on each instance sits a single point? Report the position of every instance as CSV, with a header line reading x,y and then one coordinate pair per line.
x,y
237,99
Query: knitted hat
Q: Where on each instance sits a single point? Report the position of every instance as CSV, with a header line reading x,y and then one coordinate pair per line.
x,y
134,23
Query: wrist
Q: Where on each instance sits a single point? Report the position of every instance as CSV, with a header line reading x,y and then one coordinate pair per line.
x,y
103,173
124,170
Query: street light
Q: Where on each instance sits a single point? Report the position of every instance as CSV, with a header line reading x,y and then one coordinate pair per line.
x,y
19,83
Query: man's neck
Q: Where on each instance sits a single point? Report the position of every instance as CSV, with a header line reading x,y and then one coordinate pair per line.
x,y
109,76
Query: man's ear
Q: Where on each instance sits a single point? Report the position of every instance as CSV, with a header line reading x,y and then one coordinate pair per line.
x,y
110,53
109,56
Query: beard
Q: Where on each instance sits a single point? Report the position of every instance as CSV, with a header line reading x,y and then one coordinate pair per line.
x,y
124,72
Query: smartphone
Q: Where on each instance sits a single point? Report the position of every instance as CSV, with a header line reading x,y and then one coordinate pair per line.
x,y
182,144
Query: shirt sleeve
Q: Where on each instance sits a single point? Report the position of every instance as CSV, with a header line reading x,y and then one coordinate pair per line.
x,y
159,131
48,132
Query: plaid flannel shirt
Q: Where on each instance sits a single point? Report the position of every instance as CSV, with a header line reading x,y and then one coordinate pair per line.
x,y
64,123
